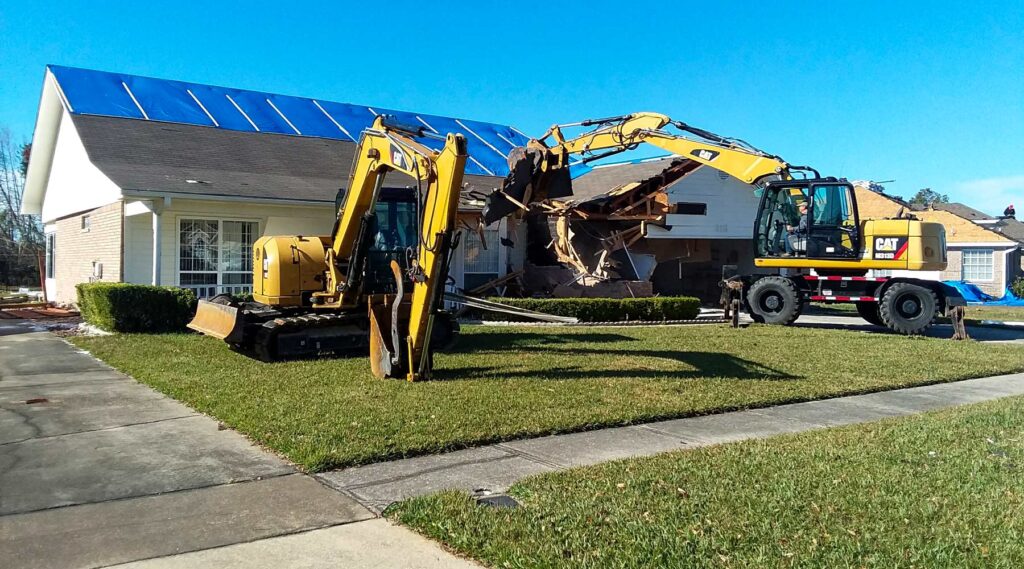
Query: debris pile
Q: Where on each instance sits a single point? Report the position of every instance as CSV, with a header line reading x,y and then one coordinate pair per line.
x,y
594,244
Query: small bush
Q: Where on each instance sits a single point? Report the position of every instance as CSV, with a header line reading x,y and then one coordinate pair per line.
x,y
1017,287
604,309
121,307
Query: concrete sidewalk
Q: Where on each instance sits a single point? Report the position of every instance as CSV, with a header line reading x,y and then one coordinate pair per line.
x,y
97,469
494,468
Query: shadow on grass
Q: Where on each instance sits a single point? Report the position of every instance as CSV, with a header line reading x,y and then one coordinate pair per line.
x,y
519,339
716,365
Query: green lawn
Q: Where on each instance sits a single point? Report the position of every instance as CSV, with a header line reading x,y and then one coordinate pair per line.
x,y
940,490
508,383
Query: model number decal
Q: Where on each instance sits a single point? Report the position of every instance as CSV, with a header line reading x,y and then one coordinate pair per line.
x,y
889,248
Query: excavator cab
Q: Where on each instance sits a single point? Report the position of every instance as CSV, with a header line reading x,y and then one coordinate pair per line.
x,y
830,228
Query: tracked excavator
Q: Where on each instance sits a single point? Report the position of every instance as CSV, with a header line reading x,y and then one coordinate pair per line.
x,y
377,281
823,257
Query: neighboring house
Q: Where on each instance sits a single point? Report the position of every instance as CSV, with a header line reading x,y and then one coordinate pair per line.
x,y
1004,225
144,180
976,254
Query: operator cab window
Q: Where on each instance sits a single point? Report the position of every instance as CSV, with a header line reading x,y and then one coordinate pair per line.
x,y
833,231
778,228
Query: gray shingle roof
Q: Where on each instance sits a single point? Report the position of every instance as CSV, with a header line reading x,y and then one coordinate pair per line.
x,y
1011,228
604,178
157,156
962,210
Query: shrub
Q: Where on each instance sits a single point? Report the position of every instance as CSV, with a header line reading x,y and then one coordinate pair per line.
x,y
1017,287
605,309
121,307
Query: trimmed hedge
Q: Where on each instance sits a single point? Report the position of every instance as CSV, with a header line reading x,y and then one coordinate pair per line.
x,y
122,307
1017,287
605,309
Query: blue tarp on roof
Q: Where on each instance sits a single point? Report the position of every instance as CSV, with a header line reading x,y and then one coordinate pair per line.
x,y
89,92
974,295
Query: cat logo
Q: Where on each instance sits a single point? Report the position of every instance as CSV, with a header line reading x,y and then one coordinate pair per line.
x,y
890,248
704,154
398,157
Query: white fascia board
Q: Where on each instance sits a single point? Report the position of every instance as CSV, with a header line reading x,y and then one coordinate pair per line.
x,y
44,143
149,194
988,245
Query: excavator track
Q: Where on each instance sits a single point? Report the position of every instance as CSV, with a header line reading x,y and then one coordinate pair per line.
x,y
307,335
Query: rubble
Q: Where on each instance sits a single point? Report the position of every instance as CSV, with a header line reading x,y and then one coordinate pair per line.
x,y
595,245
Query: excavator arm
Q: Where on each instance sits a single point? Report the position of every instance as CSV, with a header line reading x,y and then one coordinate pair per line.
x,y
540,170
401,324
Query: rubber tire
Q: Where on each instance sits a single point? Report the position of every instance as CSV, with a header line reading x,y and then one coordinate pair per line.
x,y
869,311
782,289
896,319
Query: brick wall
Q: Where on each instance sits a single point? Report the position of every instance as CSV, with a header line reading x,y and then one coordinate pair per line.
x,y
77,249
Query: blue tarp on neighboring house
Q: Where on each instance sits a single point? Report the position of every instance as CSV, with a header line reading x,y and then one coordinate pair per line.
x,y
90,92
974,295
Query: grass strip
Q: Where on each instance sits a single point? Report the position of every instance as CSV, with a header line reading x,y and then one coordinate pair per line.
x,y
944,489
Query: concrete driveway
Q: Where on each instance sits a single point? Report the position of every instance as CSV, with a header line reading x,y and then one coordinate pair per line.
x,y
96,469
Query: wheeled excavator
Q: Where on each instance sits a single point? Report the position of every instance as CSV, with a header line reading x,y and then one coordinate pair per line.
x,y
824,259
377,281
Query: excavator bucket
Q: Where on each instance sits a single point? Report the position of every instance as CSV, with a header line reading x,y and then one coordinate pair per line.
x,y
388,317
219,320
381,350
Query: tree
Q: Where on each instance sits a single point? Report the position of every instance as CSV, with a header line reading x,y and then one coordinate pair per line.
x,y
21,236
927,197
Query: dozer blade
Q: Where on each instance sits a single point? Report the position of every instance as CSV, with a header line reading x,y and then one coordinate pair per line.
x,y
218,320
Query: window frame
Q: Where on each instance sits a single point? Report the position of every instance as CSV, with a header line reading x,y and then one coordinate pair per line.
x,y
86,223
220,286
51,255
982,251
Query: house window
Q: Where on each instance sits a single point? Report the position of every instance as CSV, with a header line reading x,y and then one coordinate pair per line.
x,y
51,245
977,265
480,264
86,222
215,256
687,208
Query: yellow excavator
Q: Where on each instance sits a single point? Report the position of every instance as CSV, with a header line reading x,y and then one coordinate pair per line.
x,y
378,280
807,225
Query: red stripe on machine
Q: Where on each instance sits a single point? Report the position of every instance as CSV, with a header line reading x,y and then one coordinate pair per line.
x,y
902,250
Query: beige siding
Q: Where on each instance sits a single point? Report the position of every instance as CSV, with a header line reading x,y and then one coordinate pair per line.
x,y
138,249
77,250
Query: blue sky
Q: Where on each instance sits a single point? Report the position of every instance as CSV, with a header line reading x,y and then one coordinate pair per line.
x,y
930,94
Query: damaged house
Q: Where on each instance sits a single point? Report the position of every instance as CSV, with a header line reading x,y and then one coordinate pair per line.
x,y
656,226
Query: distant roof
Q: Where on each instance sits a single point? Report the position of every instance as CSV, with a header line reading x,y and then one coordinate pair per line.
x,y
963,210
186,159
89,92
875,205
